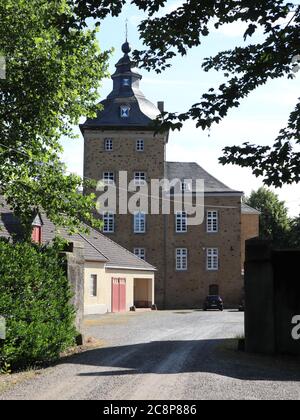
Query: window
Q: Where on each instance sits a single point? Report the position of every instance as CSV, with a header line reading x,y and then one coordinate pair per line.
x,y
108,145
139,178
108,178
126,82
140,223
214,290
181,259
140,253
93,285
109,222
181,222
140,145
185,186
212,222
124,111
212,263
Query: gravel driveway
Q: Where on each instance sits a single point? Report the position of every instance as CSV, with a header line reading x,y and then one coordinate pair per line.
x,y
165,355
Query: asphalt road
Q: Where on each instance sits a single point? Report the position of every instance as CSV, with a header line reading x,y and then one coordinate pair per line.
x,y
163,356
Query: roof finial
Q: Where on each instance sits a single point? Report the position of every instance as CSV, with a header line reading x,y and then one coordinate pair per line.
x,y
126,47
126,29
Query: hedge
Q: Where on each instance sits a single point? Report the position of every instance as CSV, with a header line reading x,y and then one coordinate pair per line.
x,y
35,301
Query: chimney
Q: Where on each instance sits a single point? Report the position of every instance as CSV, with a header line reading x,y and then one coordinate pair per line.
x,y
161,106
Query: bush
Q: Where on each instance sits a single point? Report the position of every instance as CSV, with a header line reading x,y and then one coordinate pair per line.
x,y
35,300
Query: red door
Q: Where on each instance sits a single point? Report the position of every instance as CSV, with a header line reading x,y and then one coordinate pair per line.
x,y
118,291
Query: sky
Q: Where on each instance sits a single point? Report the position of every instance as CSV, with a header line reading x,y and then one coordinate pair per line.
x,y
258,119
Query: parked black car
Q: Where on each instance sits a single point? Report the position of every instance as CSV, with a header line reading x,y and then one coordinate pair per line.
x,y
213,302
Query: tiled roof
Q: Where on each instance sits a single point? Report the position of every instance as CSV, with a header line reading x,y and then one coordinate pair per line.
x,y
249,210
97,247
191,170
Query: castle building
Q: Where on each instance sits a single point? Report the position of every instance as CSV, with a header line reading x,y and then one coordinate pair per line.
x,y
192,261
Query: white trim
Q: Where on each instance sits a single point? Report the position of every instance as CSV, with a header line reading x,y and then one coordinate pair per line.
x,y
139,222
113,267
217,255
212,221
181,218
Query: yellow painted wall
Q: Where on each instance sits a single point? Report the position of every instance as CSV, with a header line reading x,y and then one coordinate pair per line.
x,y
102,302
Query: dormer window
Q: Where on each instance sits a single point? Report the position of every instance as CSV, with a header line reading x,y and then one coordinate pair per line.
x,y
126,82
124,111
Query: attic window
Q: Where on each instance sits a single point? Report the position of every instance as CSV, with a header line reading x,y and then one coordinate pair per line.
x,y
124,111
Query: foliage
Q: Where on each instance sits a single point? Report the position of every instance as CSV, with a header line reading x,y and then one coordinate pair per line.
x,y
35,301
52,79
245,68
274,220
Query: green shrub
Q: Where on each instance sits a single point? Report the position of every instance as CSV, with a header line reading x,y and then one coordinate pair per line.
x,y
35,300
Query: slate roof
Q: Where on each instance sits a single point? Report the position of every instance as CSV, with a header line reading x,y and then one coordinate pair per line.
x,y
249,210
191,170
142,111
97,247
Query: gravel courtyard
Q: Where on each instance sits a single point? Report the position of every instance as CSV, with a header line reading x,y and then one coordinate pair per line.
x,y
165,355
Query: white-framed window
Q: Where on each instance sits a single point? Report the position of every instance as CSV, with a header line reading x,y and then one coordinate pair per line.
x,y
139,222
140,253
212,221
181,259
139,178
212,259
108,145
109,223
140,145
93,285
181,222
185,186
124,111
108,178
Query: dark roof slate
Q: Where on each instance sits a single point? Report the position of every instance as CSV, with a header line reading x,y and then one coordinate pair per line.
x,y
97,247
191,170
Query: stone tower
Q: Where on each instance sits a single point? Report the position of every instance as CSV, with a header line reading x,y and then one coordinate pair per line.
x,y
122,138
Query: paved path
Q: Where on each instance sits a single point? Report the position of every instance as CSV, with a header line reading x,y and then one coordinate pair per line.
x,y
165,355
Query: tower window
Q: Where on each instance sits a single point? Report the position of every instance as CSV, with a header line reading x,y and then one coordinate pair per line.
x,y
109,223
108,178
140,222
140,145
124,111
126,82
139,179
108,145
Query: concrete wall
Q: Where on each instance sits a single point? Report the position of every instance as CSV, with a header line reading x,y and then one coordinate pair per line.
x,y
75,273
272,294
102,303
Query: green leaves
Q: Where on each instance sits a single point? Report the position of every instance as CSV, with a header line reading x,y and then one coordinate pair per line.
x,y
53,79
35,301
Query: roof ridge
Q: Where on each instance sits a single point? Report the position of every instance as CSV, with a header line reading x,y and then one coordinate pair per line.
x,y
92,245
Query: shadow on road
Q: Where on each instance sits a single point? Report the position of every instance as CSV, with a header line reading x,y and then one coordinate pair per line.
x,y
218,357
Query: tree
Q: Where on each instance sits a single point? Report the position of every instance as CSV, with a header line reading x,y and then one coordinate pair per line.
x,y
52,79
246,68
295,233
274,219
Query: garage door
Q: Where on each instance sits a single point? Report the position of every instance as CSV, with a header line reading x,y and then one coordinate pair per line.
x,y
118,295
